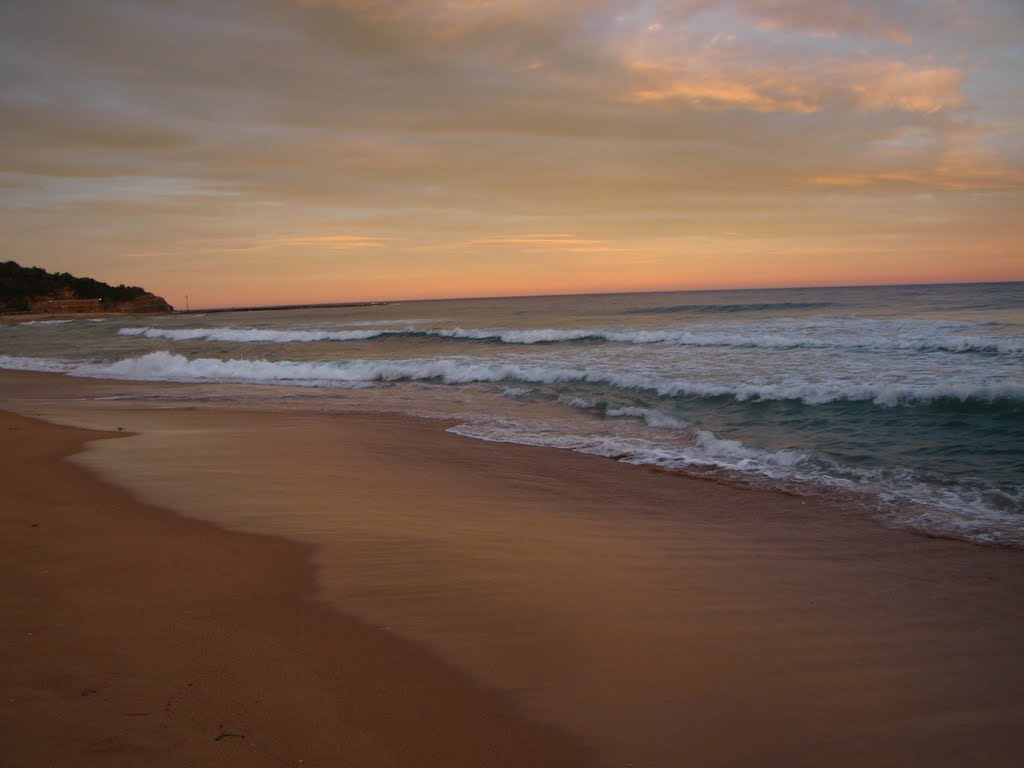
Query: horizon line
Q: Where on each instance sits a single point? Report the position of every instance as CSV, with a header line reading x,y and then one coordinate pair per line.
x,y
382,302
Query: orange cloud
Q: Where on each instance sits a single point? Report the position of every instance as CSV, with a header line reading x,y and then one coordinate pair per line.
x,y
541,239
943,176
713,81
833,17
559,243
715,90
335,242
955,160
895,84
341,241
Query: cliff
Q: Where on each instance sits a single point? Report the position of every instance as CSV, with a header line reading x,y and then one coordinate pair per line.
x,y
33,289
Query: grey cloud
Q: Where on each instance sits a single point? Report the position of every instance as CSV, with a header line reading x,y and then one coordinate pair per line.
x,y
889,19
898,21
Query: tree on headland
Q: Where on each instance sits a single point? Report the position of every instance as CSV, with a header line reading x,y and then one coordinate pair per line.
x,y
23,288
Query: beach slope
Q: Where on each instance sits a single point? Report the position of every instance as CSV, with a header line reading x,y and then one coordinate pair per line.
x,y
131,636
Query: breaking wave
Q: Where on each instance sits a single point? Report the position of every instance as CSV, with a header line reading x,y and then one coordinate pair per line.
x,y
974,510
945,343
167,366
38,364
43,322
703,449
650,416
976,504
252,335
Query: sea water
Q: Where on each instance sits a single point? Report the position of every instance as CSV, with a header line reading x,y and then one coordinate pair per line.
x,y
902,402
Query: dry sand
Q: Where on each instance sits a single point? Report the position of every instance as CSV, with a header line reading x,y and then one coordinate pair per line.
x,y
659,620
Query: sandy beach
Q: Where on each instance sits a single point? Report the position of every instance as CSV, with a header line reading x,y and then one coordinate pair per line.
x,y
134,637
512,384
366,589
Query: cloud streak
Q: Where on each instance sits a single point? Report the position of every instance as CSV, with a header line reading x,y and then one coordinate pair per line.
x,y
714,83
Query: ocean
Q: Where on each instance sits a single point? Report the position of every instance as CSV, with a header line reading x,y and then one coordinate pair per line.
x,y
905,403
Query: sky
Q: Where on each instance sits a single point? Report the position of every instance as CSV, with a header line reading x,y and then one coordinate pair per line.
x,y
287,151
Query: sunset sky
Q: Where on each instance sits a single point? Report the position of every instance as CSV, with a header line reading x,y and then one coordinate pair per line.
x,y
280,151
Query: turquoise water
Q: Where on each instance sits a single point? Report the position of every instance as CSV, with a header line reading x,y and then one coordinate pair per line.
x,y
906,402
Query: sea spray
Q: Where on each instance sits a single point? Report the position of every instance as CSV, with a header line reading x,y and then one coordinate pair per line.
x,y
166,366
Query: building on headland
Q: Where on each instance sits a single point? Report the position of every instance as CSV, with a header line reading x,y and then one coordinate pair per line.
x,y
144,304
69,306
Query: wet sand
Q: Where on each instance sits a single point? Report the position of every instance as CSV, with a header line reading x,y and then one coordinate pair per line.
x,y
657,619
130,636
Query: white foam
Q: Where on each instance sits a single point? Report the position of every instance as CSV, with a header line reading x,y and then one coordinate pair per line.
x,y
873,337
974,511
978,514
572,401
740,456
40,364
372,323
650,416
248,335
167,366
705,450
515,392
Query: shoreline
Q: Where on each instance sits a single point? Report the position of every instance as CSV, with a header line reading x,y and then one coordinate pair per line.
x,y
14,318
653,617
132,633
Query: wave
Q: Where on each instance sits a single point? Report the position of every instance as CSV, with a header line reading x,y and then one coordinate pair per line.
x,y
704,449
251,335
945,343
975,510
167,366
406,322
39,364
650,416
781,306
